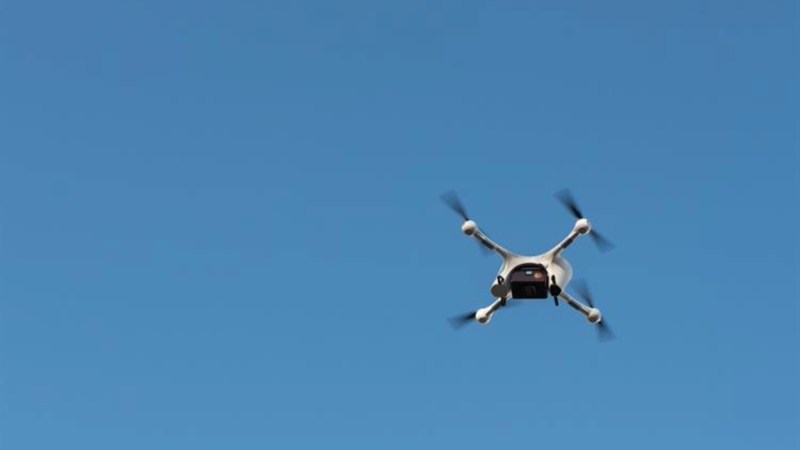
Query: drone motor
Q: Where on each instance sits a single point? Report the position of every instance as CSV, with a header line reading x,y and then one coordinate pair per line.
x,y
469,227
484,315
594,315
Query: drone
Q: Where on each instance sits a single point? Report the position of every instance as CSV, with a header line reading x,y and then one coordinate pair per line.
x,y
534,277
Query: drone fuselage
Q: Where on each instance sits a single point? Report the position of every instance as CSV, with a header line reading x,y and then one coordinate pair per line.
x,y
533,277
557,270
547,274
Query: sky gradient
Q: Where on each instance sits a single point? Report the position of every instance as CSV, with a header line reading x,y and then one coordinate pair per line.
x,y
220,223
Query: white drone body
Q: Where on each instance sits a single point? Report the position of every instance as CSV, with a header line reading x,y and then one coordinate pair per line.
x,y
533,277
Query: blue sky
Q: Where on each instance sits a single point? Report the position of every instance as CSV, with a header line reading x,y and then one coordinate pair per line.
x,y
221,224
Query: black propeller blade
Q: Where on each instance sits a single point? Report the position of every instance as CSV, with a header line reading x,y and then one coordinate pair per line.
x,y
600,241
604,332
457,322
566,198
452,200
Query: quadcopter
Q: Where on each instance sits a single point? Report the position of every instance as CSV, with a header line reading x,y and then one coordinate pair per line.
x,y
534,277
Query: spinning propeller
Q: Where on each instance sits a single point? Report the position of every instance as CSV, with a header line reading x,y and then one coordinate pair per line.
x,y
565,196
458,322
454,202
604,333
556,266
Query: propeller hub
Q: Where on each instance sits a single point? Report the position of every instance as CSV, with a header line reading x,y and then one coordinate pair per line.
x,y
469,227
583,226
594,315
483,316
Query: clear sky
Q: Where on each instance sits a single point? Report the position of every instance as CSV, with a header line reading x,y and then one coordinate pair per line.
x,y
220,223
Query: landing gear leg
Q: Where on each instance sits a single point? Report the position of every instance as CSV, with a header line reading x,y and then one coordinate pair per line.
x,y
555,290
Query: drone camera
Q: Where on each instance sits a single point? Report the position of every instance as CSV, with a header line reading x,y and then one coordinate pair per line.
x,y
529,281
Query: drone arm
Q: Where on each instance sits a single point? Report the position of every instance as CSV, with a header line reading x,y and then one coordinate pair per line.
x,y
490,244
573,235
582,227
578,306
484,315
497,304
470,228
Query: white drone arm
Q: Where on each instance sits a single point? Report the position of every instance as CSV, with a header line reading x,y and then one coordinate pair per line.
x,y
582,226
580,307
470,228
592,314
484,315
